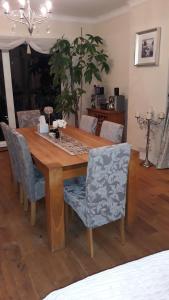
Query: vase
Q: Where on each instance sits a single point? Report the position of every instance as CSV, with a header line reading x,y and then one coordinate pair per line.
x,y
57,133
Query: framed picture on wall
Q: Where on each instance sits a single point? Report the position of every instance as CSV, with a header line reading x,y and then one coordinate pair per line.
x,y
147,47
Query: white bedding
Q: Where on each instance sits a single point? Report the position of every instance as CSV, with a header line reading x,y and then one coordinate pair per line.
x,y
143,279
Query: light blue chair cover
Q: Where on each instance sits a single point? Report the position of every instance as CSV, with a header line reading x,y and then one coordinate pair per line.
x,y
28,118
11,150
112,131
102,197
32,180
88,124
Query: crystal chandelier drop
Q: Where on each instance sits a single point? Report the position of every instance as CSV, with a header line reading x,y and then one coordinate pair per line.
x,y
26,15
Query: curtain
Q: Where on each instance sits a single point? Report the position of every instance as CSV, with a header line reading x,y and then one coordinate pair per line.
x,y
163,157
41,45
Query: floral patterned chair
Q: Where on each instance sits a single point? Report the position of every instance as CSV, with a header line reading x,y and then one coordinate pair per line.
x,y
15,170
32,180
112,131
102,198
88,123
12,156
28,118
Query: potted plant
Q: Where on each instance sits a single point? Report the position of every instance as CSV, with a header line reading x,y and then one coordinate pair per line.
x,y
71,65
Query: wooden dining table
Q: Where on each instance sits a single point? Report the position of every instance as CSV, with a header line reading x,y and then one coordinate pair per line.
x,y
57,165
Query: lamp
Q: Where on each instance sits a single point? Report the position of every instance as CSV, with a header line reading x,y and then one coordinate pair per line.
x,y
26,15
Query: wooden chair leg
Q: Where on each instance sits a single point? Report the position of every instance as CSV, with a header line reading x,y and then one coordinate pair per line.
x,y
122,230
16,185
21,194
90,241
72,213
25,203
33,213
11,174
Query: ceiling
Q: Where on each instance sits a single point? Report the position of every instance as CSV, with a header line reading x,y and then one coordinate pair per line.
x,y
86,8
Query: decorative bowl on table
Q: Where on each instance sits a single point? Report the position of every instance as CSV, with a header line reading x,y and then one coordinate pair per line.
x,y
54,132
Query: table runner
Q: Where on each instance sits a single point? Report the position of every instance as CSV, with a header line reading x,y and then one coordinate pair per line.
x,y
66,143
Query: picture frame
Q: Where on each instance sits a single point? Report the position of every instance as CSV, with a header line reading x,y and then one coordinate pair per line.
x,y
147,47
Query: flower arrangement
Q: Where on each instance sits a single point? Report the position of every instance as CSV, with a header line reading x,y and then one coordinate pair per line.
x,y
59,123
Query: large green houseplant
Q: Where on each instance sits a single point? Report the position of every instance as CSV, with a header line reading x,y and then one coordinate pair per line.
x,y
74,63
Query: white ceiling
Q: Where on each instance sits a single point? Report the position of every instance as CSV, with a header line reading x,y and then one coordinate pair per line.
x,y
86,8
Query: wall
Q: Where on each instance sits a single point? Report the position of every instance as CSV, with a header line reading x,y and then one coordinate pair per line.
x,y
58,28
148,85
143,86
115,33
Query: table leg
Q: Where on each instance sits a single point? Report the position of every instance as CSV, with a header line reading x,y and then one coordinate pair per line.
x,y
55,208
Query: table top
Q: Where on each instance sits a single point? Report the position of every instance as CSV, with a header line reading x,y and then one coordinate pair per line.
x,y
50,155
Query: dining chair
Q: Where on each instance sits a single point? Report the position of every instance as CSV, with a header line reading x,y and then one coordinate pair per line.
x,y
15,173
32,180
112,131
28,118
102,198
14,167
88,123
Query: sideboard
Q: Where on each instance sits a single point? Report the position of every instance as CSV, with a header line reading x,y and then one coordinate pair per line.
x,y
106,115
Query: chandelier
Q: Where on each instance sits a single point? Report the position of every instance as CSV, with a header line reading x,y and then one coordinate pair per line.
x,y
26,15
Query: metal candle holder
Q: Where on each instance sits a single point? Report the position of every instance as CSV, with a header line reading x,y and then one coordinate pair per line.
x,y
48,110
146,122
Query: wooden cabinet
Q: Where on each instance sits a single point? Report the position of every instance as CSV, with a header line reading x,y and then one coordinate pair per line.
x,y
106,115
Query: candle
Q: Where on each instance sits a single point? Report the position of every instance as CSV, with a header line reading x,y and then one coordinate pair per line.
x,y
150,110
161,115
148,116
137,115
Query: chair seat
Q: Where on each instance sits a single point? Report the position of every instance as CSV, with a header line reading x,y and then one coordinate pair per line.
x,y
75,180
74,195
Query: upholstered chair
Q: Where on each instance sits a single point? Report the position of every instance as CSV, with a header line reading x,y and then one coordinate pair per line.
x,y
32,180
102,198
112,131
14,166
15,173
88,123
28,118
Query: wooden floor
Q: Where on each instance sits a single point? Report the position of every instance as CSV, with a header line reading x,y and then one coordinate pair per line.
x,y
28,270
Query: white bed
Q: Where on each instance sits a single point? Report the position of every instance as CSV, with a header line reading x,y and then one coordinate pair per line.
x,y
143,279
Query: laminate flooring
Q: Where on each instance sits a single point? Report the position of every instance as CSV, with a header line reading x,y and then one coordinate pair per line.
x,y
29,271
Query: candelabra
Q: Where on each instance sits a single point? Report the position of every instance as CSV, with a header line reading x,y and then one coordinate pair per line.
x,y
145,121
48,110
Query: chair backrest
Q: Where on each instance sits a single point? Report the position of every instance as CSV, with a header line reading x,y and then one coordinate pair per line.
x,y
106,184
88,123
25,164
112,131
28,118
11,150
